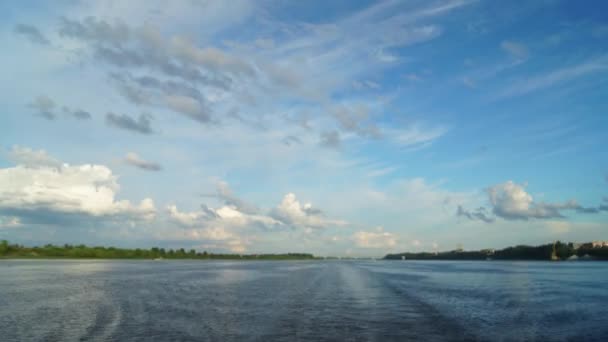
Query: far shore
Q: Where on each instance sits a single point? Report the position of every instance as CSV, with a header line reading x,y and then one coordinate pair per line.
x,y
556,251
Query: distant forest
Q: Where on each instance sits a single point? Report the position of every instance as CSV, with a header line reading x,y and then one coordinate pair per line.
x,y
552,251
8,250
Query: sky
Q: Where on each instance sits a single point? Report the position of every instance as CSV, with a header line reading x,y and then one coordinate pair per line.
x,y
343,128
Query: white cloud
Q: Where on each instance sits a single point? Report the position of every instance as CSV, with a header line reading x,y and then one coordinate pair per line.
x,y
36,185
225,227
32,159
229,227
511,201
592,66
515,49
225,216
416,135
379,172
377,238
304,62
215,236
209,57
187,219
291,212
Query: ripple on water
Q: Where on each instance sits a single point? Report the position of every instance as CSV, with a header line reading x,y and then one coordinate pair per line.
x,y
286,301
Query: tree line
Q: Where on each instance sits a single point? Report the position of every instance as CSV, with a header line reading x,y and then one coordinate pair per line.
x,y
551,251
8,250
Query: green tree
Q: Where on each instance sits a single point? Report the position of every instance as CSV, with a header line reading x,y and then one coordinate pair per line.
x,y
3,247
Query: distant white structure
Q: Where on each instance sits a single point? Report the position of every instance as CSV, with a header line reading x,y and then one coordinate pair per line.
x,y
599,244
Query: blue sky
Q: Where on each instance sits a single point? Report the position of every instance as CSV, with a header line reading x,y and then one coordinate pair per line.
x,y
332,127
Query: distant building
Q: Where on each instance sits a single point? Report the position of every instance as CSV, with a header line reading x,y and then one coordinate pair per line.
x,y
599,244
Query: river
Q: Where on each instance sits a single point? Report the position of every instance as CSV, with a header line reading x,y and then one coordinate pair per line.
x,y
108,300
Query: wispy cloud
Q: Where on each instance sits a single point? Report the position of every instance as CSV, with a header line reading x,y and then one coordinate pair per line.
x,y
515,49
140,125
135,160
594,66
416,135
44,107
32,33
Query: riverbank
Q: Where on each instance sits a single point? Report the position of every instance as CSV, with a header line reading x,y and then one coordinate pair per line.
x,y
551,251
67,251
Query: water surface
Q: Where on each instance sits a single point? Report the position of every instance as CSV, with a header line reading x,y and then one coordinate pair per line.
x,y
71,300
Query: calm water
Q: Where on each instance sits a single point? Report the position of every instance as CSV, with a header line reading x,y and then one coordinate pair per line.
x,y
312,301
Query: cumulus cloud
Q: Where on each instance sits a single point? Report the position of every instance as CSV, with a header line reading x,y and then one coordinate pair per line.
x,y
44,107
378,238
35,190
140,125
135,160
224,226
510,201
186,219
228,217
236,212
32,33
292,213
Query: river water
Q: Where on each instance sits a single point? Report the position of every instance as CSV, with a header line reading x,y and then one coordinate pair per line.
x,y
76,300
